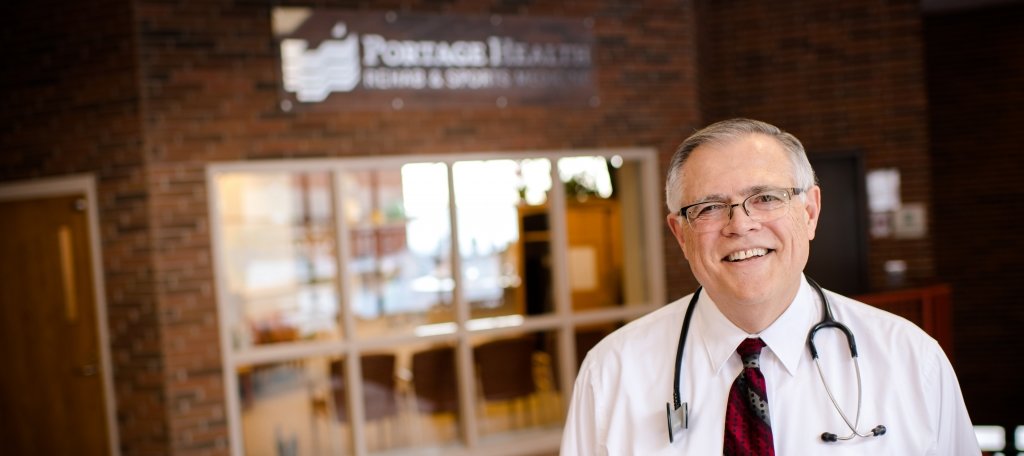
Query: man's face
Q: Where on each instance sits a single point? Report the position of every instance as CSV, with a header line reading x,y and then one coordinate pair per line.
x,y
730,172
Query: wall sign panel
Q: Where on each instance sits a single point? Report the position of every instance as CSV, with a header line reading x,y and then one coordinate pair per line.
x,y
355,60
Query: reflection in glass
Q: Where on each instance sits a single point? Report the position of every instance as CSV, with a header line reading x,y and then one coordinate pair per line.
x,y
382,410
288,408
518,383
279,255
605,231
285,238
586,177
435,395
588,336
503,239
410,399
400,243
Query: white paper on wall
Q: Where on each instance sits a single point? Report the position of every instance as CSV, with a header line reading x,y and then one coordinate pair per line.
x,y
884,189
582,268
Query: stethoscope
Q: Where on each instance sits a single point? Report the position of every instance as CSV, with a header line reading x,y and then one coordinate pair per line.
x,y
677,413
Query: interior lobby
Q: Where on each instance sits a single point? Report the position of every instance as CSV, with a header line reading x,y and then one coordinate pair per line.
x,y
332,227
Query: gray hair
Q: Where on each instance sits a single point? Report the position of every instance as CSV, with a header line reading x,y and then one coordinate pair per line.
x,y
731,130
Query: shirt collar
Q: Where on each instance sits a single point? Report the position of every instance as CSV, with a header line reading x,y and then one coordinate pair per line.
x,y
721,337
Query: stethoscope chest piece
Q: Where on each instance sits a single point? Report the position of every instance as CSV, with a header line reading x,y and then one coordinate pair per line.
x,y
677,419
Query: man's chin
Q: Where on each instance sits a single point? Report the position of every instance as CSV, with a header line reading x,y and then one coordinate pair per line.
x,y
744,290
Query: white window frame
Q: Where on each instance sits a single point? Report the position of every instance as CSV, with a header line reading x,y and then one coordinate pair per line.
x,y
562,321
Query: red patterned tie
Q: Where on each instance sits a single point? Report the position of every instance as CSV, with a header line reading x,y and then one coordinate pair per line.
x,y
748,427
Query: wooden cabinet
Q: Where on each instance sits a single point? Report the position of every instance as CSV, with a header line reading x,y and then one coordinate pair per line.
x,y
595,258
930,307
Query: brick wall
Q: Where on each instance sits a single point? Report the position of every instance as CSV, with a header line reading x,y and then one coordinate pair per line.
x,y
70,96
841,76
146,93
211,93
975,72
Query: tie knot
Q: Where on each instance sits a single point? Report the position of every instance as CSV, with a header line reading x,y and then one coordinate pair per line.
x,y
750,351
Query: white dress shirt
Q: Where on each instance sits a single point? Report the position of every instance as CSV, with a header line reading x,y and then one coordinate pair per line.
x,y
618,403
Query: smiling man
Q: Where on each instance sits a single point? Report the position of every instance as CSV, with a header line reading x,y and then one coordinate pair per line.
x,y
733,368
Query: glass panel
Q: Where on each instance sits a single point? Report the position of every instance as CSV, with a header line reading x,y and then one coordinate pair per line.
x,y
503,236
605,224
289,408
433,388
518,384
279,253
400,237
588,336
302,405
277,235
383,403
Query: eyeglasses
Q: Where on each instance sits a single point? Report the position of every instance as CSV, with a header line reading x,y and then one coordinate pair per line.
x,y
761,207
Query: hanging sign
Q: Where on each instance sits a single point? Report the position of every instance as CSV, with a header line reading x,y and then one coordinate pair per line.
x,y
355,60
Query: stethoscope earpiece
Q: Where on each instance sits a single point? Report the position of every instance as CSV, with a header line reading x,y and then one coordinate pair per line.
x,y
829,437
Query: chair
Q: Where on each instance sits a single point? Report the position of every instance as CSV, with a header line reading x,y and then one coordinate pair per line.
x,y
505,369
434,384
380,397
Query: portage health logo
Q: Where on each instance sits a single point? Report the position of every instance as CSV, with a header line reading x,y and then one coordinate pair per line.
x,y
312,74
349,62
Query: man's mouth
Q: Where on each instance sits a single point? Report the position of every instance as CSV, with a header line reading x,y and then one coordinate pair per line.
x,y
746,254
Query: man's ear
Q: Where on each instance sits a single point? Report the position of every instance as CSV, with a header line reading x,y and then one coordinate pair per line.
x,y
675,224
812,206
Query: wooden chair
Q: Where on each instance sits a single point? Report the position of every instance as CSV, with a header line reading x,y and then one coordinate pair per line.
x,y
505,370
434,384
380,397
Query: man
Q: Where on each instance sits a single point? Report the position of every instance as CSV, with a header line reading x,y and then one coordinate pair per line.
x,y
743,206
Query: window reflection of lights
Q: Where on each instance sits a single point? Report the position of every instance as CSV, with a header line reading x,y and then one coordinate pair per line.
x,y
432,284
486,197
507,321
990,438
435,329
591,170
615,161
536,175
425,204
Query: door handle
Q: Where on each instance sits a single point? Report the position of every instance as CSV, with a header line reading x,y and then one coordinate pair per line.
x,y
67,272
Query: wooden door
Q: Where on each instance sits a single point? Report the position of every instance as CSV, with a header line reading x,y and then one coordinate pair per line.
x,y
51,388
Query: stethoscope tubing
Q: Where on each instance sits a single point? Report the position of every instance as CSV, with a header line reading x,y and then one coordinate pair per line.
x,y
827,321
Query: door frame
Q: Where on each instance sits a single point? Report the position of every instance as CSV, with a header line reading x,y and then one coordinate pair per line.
x,y
81,184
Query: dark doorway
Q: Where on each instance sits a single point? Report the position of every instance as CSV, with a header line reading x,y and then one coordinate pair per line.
x,y
838,258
